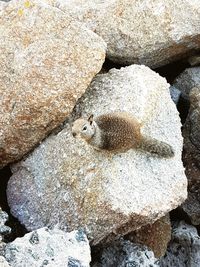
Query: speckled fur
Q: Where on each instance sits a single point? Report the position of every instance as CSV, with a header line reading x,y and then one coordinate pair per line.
x,y
120,132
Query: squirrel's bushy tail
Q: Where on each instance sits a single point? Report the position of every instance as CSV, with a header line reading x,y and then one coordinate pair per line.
x,y
157,147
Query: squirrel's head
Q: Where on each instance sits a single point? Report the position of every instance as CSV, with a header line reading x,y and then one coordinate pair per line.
x,y
84,128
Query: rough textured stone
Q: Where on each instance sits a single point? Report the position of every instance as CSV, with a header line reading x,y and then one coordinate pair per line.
x,y
184,248
51,248
191,157
67,182
3,228
187,80
155,236
150,32
46,63
124,254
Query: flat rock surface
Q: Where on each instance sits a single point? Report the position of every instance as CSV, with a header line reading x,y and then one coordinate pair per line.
x,y
46,63
51,248
66,182
150,32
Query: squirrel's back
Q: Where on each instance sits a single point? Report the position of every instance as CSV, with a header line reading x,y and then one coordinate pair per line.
x,y
118,131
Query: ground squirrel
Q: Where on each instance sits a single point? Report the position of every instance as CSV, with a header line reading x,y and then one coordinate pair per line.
x,y
118,132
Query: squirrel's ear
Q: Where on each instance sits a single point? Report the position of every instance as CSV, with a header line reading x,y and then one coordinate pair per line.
x,y
90,119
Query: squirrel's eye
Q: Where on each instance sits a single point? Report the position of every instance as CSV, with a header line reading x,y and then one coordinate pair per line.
x,y
84,128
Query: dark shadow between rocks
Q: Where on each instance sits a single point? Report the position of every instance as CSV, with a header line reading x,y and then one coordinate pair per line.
x,y
18,230
179,214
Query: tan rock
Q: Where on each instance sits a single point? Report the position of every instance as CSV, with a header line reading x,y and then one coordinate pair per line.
x,y
66,182
150,32
155,236
46,63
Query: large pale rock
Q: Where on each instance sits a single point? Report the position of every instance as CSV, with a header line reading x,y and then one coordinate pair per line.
x,y
187,80
155,236
51,248
123,253
46,63
191,157
150,32
184,248
66,182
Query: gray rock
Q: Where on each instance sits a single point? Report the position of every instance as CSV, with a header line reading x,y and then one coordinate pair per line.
x,y
150,32
175,94
187,80
46,63
184,248
3,231
51,248
191,157
123,253
3,228
66,182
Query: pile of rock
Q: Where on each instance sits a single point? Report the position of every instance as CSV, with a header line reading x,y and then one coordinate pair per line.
x,y
62,190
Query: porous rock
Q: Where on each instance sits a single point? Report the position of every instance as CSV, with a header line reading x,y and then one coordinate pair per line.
x,y
184,248
46,247
191,157
150,32
67,182
187,80
123,253
46,63
155,236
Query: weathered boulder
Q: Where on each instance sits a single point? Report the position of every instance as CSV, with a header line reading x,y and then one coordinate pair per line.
x,y
123,253
49,247
67,182
46,63
191,157
187,80
153,32
184,248
155,236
